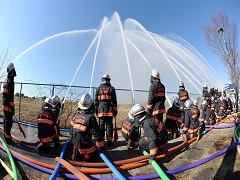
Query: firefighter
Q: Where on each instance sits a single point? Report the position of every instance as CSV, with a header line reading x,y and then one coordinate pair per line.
x,y
173,122
56,113
222,108
8,102
194,123
190,114
130,130
156,97
212,92
46,128
83,126
106,107
205,90
183,95
155,134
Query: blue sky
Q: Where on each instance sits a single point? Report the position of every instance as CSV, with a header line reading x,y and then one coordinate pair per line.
x,y
24,23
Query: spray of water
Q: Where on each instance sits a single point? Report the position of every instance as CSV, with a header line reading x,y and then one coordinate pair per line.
x,y
46,39
96,52
129,53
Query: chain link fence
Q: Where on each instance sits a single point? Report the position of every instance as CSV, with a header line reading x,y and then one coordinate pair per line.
x,y
29,98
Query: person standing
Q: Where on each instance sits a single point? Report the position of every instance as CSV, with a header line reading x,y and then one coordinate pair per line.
x,y
173,122
8,103
183,95
156,97
83,126
106,107
56,113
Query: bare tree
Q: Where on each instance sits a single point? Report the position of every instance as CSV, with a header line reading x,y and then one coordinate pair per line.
x,y
5,57
222,37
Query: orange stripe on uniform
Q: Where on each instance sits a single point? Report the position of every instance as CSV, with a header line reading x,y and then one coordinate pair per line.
x,y
45,121
5,108
100,144
11,103
5,90
105,114
159,111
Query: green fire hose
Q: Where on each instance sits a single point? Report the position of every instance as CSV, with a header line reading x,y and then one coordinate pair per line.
x,y
156,167
13,173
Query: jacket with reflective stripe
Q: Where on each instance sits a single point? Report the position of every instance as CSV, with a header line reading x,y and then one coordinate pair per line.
x,y
106,100
8,94
153,130
172,114
130,129
83,126
46,130
156,98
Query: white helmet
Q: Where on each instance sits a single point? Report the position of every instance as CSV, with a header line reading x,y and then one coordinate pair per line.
x,y
195,102
10,67
205,86
130,116
176,102
181,84
106,76
49,101
55,99
85,102
204,102
188,103
155,74
137,109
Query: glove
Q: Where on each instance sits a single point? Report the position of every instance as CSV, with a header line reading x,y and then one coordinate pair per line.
x,y
152,157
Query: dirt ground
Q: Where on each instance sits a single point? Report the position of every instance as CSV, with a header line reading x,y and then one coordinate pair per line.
x,y
226,166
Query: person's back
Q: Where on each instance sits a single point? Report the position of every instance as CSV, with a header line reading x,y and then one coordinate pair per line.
x,y
156,97
173,122
8,103
106,107
46,130
83,126
130,130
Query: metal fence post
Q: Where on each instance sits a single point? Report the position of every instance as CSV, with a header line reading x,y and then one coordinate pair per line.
x,y
20,99
53,89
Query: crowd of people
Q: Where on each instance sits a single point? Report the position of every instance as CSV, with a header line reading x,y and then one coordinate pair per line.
x,y
183,116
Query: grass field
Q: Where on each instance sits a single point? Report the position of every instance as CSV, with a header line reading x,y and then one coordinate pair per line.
x,y
26,110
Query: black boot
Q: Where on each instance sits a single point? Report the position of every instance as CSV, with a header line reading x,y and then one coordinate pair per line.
x,y
10,141
56,143
109,144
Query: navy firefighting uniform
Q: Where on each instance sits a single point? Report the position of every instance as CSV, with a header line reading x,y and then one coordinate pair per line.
x,y
83,126
130,130
155,135
8,103
106,108
46,129
156,99
173,121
